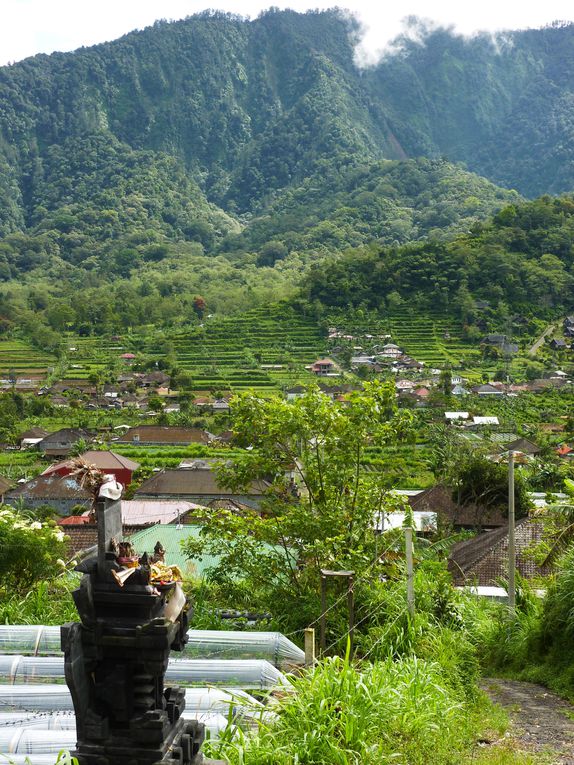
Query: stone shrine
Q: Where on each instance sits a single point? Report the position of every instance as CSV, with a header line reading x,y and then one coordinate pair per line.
x,y
116,659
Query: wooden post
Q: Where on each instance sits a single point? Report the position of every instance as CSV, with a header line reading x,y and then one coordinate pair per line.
x,y
309,646
410,574
511,546
323,623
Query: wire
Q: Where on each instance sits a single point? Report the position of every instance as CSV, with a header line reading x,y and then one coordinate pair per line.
x,y
348,632
384,635
356,581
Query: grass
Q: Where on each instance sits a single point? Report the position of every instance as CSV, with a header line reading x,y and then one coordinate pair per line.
x,y
400,711
45,603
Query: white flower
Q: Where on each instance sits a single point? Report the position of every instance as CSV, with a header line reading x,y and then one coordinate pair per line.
x,y
61,563
59,536
36,525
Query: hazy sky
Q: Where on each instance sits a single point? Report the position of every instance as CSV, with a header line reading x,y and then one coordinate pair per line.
x,y
43,26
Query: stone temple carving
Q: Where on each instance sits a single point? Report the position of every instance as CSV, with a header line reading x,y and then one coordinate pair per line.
x,y
117,656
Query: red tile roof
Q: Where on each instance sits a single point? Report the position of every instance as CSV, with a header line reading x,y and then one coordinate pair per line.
x,y
104,460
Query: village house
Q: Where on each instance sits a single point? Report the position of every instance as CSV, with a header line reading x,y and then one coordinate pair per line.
x,y
5,486
485,421
60,443
557,344
522,445
166,435
456,416
483,560
31,437
297,391
569,326
439,500
155,379
196,484
362,359
390,351
404,386
122,468
487,390
407,364
324,368
62,493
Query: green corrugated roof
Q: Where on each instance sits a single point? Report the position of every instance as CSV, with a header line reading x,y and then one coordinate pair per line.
x,y
171,537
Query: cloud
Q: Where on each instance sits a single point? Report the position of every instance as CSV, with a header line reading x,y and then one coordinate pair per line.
x,y
32,26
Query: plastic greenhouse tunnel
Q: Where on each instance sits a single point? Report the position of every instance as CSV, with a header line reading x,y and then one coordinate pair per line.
x,y
52,697
38,640
230,673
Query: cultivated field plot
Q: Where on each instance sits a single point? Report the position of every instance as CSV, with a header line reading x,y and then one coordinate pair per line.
x,y
23,360
263,349
433,338
89,354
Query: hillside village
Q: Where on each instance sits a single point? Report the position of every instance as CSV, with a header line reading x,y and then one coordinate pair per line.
x,y
163,445
287,388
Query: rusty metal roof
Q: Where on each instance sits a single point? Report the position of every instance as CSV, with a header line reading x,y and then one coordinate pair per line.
x,y
157,434
191,482
104,460
50,487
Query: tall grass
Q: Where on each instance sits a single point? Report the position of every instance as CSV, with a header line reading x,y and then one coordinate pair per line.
x,y
394,711
537,642
45,603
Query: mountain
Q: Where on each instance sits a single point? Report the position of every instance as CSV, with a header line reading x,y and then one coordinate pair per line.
x,y
250,107
222,146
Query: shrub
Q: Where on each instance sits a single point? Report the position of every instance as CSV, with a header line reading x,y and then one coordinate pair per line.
x,y
30,550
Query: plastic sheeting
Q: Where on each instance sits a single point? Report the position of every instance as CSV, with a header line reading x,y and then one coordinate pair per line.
x,y
24,759
35,740
231,673
43,698
66,721
49,697
33,639
273,646
43,720
40,640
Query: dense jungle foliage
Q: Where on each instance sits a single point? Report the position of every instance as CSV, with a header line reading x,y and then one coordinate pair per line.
x,y
522,258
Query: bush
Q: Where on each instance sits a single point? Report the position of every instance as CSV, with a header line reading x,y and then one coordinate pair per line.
x,y
30,550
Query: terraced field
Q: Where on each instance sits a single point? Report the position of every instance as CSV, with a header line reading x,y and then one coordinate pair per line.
x,y
432,338
89,354
263,349
23,360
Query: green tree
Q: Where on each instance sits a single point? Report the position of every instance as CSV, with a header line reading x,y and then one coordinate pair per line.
x,y
320,502
481,484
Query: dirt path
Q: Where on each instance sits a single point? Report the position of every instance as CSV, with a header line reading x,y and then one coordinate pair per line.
x,y
541,721
532,351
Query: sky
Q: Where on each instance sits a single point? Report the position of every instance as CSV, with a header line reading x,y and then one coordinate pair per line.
x,y
28,27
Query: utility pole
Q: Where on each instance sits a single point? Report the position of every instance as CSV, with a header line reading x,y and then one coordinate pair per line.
x,y
410,574
511,546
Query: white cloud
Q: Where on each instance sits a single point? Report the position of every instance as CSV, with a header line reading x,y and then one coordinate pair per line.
x,y
32,26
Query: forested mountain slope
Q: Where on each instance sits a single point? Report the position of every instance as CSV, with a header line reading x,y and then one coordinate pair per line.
x,y
218,145
251,107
